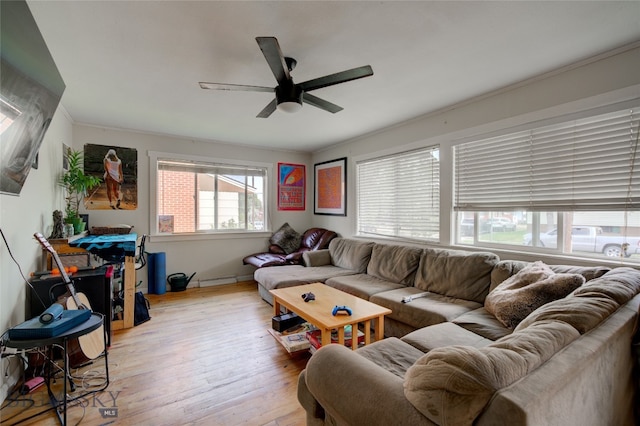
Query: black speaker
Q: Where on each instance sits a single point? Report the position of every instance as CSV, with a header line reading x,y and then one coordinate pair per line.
x,y
93,283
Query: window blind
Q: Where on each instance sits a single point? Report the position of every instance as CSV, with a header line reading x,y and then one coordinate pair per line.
x,y
210,168
586,164
399,195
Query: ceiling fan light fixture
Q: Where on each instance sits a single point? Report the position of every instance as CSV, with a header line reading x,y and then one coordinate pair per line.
x,y
289,99
289,106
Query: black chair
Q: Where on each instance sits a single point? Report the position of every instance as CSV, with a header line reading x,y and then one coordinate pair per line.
x,y
141,259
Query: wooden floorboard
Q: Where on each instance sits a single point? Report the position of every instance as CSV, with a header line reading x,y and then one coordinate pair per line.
x,y
204,358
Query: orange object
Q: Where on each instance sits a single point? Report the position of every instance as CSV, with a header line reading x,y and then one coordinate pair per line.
x,y
73,269
294,176
55,271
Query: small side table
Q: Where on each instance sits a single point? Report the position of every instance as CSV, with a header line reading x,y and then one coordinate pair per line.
x,y
93,323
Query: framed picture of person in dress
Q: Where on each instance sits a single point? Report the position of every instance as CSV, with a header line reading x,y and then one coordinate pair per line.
x,y
117,167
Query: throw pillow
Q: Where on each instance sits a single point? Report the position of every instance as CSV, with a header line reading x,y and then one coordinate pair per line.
x,y
286,238
535,285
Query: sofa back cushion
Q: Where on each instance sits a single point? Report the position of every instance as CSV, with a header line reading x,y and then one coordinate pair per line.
x,y
452,385
592,303
350,254
456,273
316,238
397,264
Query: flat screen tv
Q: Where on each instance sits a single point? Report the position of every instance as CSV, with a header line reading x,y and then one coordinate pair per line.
x,y
30,90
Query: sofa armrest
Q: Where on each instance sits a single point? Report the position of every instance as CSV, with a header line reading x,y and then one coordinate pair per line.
x,y
294,258
317,258
276,249
354,390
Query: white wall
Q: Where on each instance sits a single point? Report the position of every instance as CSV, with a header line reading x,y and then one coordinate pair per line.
x,y
609,79
217,258
22,216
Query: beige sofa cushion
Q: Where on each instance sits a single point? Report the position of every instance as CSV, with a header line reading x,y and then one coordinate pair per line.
x,y
430,309
452,385
503,270
293,275
456,273
316,258
621,285
444,334
588,272
350,254
362,285
397,264
533,286
589,305
392,354
482,323
581,313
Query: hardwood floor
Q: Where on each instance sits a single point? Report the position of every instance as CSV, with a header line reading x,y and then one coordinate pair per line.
x,y
205,357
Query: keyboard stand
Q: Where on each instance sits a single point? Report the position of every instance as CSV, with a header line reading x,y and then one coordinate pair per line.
x,y
93,323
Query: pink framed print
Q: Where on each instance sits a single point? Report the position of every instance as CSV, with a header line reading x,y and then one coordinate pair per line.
x,y
291,186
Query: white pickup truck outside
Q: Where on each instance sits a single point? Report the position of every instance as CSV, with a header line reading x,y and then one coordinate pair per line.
x,y
590,239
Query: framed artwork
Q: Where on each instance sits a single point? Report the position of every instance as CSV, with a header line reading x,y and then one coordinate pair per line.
x,y
65,157
291,186
165,224
117,167
330,196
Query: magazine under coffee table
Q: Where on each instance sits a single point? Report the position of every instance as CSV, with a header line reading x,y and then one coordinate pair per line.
x,y
319,311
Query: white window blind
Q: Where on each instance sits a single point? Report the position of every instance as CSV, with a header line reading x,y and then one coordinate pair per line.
x,y
586,164
211,168
399,195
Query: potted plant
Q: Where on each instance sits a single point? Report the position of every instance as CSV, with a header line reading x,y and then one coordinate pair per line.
x,y
76,184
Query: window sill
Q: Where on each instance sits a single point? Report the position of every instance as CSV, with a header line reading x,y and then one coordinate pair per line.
x,y
158,238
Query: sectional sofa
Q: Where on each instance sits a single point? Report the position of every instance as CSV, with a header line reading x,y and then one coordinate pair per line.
x,y
482,341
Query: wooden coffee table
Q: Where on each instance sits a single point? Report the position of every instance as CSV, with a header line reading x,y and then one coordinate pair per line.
x,y
319,311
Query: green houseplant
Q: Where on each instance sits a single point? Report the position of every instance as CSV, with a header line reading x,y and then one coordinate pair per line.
x,y
76,184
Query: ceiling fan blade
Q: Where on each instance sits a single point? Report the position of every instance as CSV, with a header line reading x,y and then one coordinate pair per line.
x,y
272,53
223,86
320,103
268,110
339,77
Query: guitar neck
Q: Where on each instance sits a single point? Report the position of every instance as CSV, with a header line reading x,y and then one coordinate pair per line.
x,y
54,255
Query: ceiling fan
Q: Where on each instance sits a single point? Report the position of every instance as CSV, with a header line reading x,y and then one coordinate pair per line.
x,y
289,95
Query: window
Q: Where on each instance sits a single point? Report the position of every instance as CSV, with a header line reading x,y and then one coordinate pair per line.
x,y
206,195
399,195
571,188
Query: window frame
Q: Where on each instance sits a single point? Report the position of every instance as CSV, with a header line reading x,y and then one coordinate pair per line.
x,y
156,156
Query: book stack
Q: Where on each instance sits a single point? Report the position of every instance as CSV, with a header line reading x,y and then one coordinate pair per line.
x,y
315,339
294,339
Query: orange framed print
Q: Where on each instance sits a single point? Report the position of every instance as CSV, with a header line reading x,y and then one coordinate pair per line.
x,y
330,196
291,186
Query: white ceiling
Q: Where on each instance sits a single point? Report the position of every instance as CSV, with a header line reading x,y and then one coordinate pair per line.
x,y
136,64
